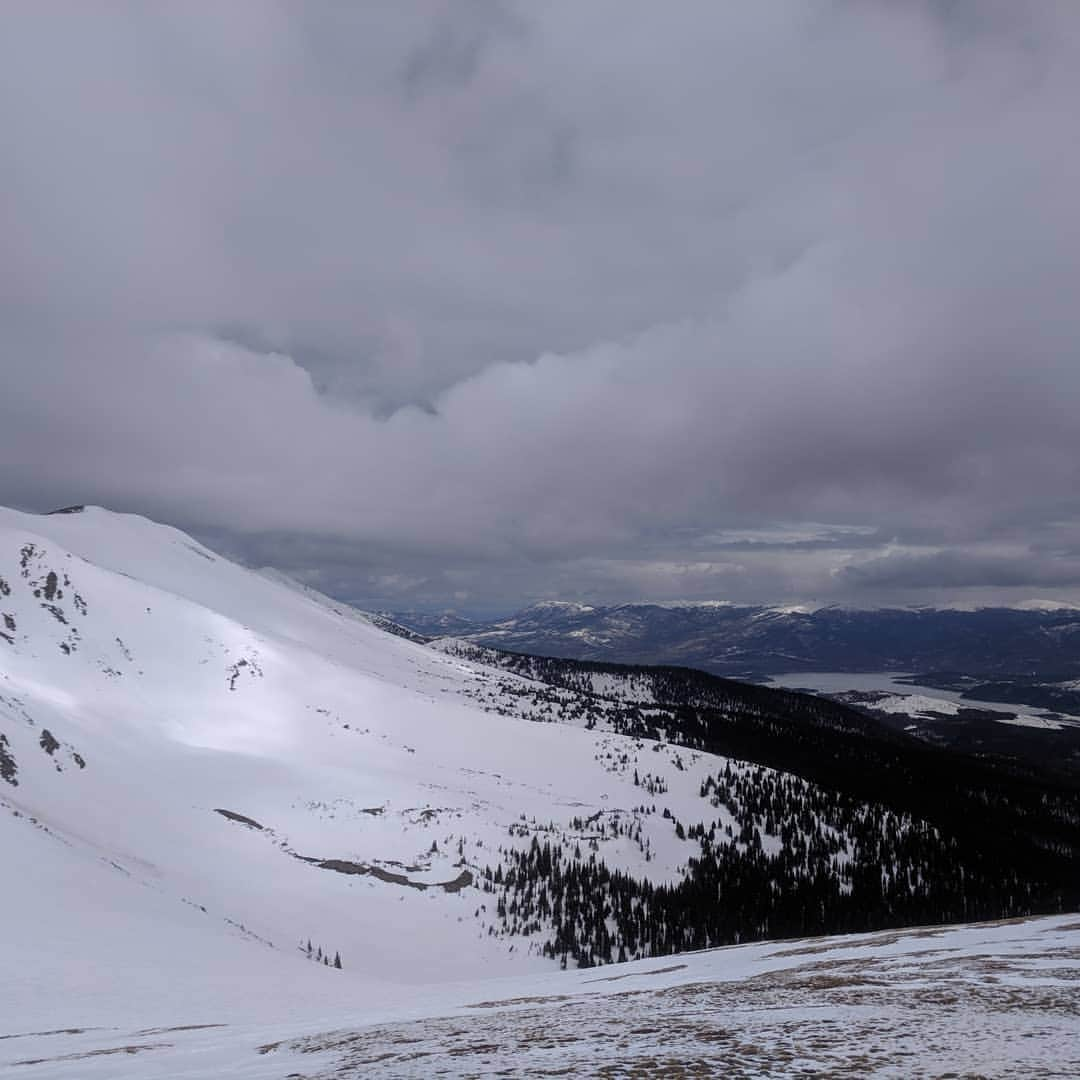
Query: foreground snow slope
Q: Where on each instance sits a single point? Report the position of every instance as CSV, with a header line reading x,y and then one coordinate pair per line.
x,y
992,1001
175,684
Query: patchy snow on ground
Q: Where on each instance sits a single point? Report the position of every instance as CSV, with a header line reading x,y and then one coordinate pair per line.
x,y
923,706
1026,720
994,1000
920,705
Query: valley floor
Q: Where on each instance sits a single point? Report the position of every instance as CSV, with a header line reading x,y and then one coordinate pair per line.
x,y
990,1000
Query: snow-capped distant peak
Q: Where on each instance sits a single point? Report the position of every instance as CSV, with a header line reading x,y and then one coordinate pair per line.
x,y
1047,605
689,605
560,606
792,609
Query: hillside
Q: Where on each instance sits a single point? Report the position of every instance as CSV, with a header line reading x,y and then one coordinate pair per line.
x,y
203,769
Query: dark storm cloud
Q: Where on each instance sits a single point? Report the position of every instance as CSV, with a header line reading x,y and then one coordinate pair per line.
x,y
963,569
473,303
453,48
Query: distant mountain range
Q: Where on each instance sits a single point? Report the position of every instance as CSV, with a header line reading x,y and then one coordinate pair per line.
x,y
752,641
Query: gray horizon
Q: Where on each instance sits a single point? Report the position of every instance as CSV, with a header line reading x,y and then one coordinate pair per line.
x,y
465,305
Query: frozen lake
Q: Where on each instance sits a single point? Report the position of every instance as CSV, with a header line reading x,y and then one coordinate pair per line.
x,y
836,682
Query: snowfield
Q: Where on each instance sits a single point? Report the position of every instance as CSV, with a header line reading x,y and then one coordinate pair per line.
x,y
187,685
996,1000
204,768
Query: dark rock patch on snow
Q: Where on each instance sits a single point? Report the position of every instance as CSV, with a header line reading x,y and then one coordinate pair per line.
x,y
8,768
344,866
241,818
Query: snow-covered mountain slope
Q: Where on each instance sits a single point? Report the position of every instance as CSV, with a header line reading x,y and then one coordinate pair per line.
x,y
204,768
253,761
146,685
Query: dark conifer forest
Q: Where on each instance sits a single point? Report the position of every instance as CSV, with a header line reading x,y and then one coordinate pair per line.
x,y
858,828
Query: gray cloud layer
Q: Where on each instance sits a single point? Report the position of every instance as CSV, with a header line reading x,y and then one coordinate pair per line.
x,y
468,303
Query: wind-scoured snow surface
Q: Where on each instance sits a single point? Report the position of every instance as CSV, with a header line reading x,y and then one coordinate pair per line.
x,y
203,768
995,1000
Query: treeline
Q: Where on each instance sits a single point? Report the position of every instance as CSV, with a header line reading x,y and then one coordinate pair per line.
x,y
1014,819
595,915
319,955
840,866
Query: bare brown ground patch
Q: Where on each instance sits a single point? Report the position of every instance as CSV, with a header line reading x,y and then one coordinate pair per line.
x,y
638,974
852,1018
179,1027
519,1001
54,1031
133,1049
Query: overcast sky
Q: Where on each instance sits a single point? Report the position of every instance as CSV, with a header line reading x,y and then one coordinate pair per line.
x,y
464,305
